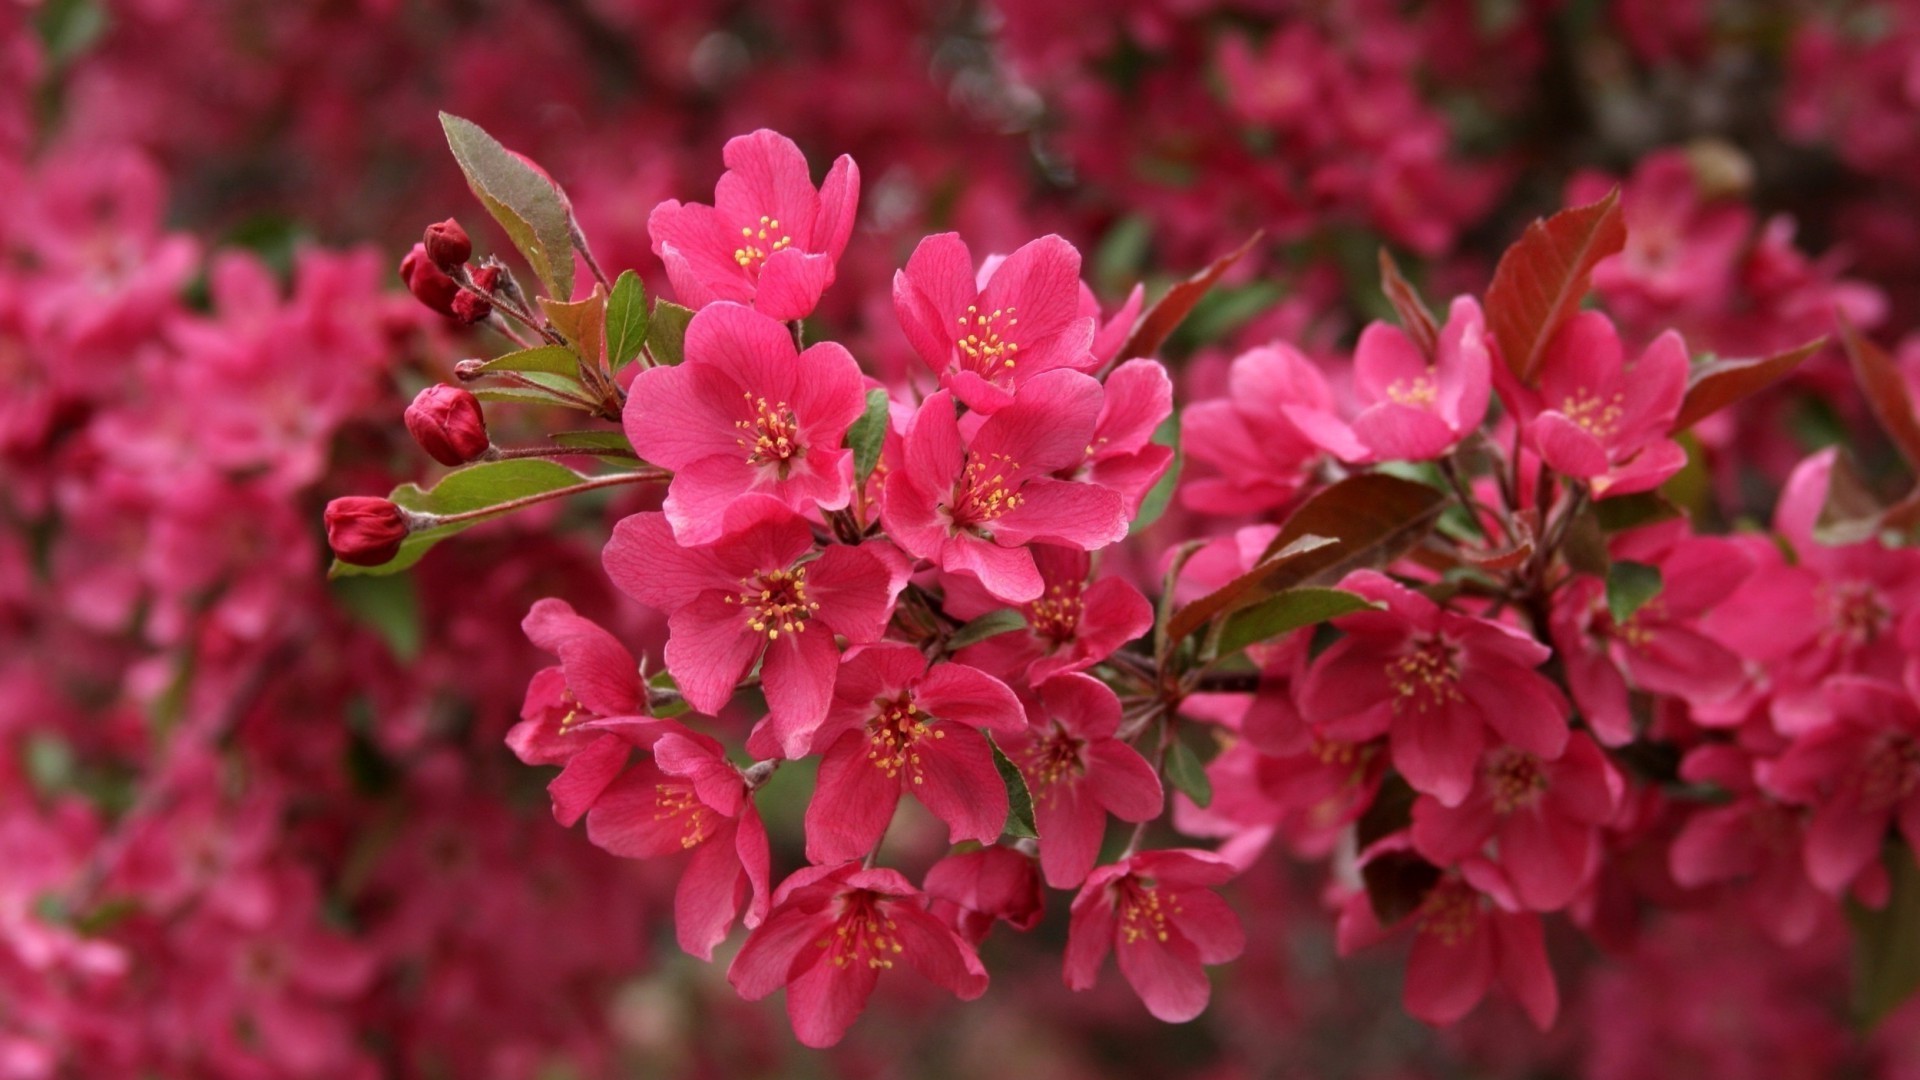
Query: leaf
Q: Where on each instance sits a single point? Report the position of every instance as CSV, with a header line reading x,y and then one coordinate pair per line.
x,y
626,320
525,203
1397,883
992,624
1719,383
1161,494
552,359
1629,586
1019,799
476,487
1632,511
523,395
1886,943
1886,391
867,435
1159,321
584,322
1367,520
594,440
1541,279
1187,775
1415,317
667,332
1285,613
390,606
1585,547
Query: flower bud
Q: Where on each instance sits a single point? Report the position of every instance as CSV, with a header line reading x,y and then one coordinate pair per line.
x,y
447,423
365,531
427,282
447,244
469,308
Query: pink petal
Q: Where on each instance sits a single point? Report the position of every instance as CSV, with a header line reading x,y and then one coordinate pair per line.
x,y
776,947
1522,707
1090,933
585,777
1166,974
791,282
1047,427
825,1001
964,695
1546,857
1437,751
1007,573
958,781
648,564
839,201
853,800
936,953
1446,980
1122,781
797,676
709,649
1445,835
767,175
1843,839
1042,281
1212,926
1384,356
1395,432
677,415
1071,826
1567,447
1521,945
708,896
1063,512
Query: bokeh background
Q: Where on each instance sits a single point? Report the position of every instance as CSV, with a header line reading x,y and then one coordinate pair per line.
x,y
256,825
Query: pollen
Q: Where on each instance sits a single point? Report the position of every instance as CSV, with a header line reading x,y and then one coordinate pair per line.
x,y
1056,614
1055,760
1515,779
1144,913
1451,912
771,435
776,602
756,245
986,348
1597,416
864,936
1425,678
1419,392
894,735
676,801
988,488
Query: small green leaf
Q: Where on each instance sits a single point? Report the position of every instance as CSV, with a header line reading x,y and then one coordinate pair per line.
x,y
524,202
476,487
523,395
1158,496
390,606
1629,586
626,320
1019,800
1187,775
1285,613
551,359
992,624
868,434
1886,944
594,440
667,332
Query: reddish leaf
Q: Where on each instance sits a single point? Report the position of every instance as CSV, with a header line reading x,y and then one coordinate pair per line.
x,y
1415,317
1167,313
584,322
1716,385
1508,558
1541,280
1361,521
1886,391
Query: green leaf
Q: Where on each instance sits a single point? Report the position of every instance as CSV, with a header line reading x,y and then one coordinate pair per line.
x,y
1285,613
390,606
626,320
667,332
552,359
1187,775
868,434
992,624
1158,496
522,395
476,487
1019,800
1886,944
525,203
594,440
1629,586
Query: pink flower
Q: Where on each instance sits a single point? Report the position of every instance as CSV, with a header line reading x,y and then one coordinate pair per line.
x,y
1122,455
1754,843
597,680
755,595
986,341
770,240
897,726
746,414
1260,456
1599,419
1074,624
1158,912
1541,818
1112,334
831,933
1860,773
1436,682
974,889
689,797
1079,773
1413,408
972,508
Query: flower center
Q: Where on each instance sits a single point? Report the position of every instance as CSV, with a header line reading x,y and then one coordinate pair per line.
x,y
1053,760
1855,614
757,244
1056,614
675,800
863,935
894,734
1451,912
1891,774
1421,393
772,435
1516,780
1425,678
1144,912
1594,415
775,601
984,491
984,350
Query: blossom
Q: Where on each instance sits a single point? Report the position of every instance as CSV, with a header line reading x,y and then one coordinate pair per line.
x,y
1754,843
972,507
1079,773
830,935
987,340
1436,682
974,889
757,594
447,423
1121,454
898,725
366,531
1158,912
1074,623
770,240
746,413
690,797
1249,439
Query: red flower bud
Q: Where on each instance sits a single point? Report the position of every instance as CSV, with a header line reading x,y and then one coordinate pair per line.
x,y
447,423
365,531
447,244
470,309
486,277
427,282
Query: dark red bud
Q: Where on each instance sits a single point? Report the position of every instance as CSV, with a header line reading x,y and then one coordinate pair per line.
x,y
365,531
448,245
427,282
486,278
470,308
447,423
